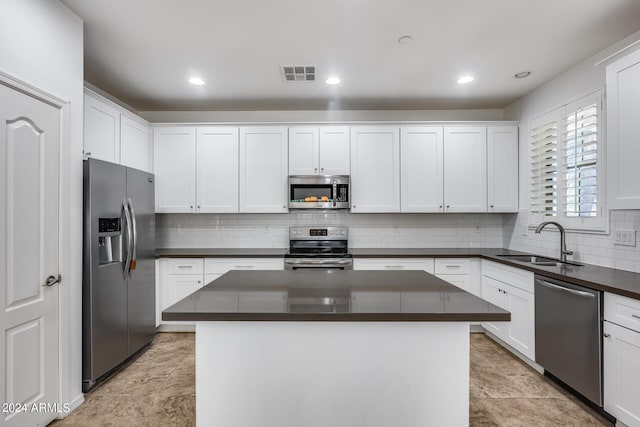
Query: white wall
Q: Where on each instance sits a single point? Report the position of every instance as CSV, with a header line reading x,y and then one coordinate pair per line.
x,y
365,230
41,43
591,248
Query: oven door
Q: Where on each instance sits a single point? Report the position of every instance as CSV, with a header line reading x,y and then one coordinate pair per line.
x,y
318,264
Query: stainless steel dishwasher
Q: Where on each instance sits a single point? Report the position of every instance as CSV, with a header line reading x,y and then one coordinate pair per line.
x,y
569,335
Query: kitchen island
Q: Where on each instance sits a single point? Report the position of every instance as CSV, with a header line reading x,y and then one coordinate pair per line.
x,y
338,348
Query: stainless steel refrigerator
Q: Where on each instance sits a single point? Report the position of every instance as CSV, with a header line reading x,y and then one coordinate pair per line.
x,y
118,294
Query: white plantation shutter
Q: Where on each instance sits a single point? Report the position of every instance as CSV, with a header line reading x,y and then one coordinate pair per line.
x,y
543,160
565,168
581,161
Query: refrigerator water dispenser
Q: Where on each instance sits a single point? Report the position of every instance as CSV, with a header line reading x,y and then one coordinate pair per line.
x,y
109,241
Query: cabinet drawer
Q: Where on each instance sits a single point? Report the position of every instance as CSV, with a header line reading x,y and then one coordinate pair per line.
x,y
622,311
222,265
513,276
452,265
462,281
425,264
185,266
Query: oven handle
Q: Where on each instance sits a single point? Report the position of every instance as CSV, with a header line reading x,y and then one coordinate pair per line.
x,y
317,261
567,290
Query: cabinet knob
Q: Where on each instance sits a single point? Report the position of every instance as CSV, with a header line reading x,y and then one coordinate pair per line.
x,y
354,206
491,206
315,170
322,170
284,206
190,206
606,335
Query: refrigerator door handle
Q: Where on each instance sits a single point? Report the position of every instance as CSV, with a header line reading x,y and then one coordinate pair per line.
x,y
129,245
134,226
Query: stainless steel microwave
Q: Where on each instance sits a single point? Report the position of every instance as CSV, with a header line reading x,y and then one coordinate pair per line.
x,y
319,192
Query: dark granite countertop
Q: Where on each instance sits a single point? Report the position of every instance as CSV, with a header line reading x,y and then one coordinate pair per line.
x,y
619,282
220,252
344,296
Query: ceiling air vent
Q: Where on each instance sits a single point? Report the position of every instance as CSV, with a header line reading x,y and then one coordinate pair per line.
x,y
298,73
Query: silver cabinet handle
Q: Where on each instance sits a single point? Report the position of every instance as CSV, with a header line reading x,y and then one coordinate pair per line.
x,y
243,266
393,266
453,266
582,294
52,280
185,266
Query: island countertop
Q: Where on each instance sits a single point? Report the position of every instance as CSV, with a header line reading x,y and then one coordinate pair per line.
x,y
344,296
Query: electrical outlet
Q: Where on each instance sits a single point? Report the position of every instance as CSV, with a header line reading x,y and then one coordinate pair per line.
x,y
395,229
624,237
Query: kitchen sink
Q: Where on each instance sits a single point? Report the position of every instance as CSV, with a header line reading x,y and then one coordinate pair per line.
x,y
539,260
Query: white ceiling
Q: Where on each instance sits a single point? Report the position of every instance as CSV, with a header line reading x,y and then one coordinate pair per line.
x,y
144,51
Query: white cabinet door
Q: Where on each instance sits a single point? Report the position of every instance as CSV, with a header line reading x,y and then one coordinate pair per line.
x,y
334,150
217,150
502,168
621,352
520,332
136,147
263,169
421,157
174,166
492,291
304,149
465,169
101,130
623,128
180,286
375,169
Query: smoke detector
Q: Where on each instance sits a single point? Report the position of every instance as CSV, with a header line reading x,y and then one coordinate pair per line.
x,y
298,73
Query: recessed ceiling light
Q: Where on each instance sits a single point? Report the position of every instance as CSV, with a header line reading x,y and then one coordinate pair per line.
x,y
405,39
196,81
522,74
332,81
465,79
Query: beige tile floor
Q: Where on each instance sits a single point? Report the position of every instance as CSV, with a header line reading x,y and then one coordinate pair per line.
x,y
158,389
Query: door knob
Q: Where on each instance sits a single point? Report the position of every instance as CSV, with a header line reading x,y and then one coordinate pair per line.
x,y
52,280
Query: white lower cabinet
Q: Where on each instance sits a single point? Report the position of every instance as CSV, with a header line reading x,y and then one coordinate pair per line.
x,y
177,278
621,353
425,264
513,290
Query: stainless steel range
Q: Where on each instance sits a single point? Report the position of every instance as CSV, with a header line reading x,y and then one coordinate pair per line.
x,y
320,248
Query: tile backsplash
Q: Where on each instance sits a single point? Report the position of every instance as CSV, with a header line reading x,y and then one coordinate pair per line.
x,y
598,249
365,230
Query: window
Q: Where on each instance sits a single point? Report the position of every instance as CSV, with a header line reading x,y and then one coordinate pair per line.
x,y
565,168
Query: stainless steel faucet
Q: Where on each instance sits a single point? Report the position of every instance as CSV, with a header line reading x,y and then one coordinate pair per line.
x,y
563,244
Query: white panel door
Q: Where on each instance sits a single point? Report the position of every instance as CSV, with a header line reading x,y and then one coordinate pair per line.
x,y
465,169
502,168
621,372
217,169
101,130
263,169
334,150
174,153
375,169
421,157
493,291
304,148
623,128
29,236
136,146
521,330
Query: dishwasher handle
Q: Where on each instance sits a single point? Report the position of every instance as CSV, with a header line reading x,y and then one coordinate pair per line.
x,y
575,292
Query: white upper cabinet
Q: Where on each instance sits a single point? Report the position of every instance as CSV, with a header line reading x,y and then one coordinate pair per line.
x,y
319,151
263,169
217,150
136,145
465,169
175,165
421,157
623,131
116,135
334,150
375,169
101,129
502,168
